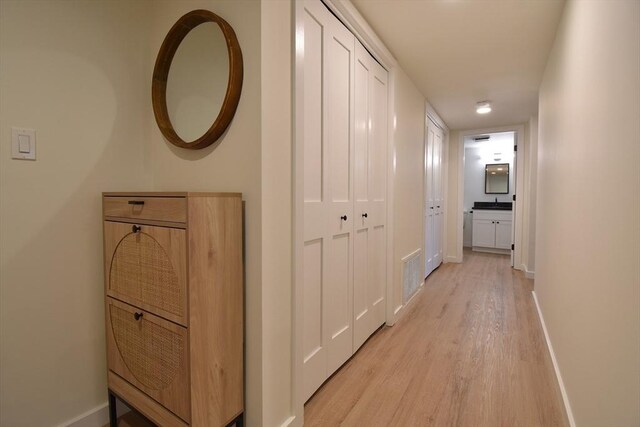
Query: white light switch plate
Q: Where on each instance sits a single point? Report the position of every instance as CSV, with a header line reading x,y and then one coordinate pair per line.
x,y
23,144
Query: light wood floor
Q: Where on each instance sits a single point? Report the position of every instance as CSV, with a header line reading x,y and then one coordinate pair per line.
x,y
469,351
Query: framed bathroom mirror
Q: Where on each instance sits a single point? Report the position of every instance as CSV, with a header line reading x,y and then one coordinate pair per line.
x,y
197,80
496,178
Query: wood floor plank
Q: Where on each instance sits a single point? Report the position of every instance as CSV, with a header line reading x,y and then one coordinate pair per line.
x,y
468,351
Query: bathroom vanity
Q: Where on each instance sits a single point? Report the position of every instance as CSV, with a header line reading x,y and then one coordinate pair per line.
x,y
492,227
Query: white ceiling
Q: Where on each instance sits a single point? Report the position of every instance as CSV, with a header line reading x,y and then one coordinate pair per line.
x,y
459,52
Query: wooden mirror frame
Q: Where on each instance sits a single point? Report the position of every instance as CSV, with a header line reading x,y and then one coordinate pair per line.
x,y
161,73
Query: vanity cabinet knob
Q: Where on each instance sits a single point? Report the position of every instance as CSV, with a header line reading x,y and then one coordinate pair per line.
x,y
365,215
136,228
497,222
137,315
343,217
493,222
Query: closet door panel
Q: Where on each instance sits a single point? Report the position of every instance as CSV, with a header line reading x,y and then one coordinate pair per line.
x,y
378,275
438,197
429,202
315,201
362,316
378,203
338,110
361,277
337,309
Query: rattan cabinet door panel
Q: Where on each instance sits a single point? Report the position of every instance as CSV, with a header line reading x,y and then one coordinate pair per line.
x,y
151,353
146,267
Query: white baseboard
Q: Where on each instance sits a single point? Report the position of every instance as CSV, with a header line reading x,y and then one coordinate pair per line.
x,y
565,397
529,274
290,422
96,417
452,258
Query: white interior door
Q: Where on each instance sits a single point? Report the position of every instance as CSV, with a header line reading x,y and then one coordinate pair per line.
x,y
369,253
429,203
438,197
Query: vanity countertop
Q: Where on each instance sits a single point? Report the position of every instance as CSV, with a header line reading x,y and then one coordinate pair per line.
x,y
493,206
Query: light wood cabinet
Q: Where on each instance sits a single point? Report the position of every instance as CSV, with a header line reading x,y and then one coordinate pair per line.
x,y
174,305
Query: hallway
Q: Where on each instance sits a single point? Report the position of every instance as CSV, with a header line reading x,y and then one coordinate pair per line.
x,y
469,351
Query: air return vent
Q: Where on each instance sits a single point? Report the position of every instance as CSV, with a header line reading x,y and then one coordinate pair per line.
x,y
482,138
411,274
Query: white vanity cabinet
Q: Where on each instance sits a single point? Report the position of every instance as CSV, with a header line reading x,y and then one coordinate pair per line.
x,y
492,230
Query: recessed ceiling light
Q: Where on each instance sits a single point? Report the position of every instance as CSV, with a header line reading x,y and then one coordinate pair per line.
x,y
483,107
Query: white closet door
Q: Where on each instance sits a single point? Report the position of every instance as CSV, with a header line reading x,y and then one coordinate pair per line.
x,y
369,253
429,202
361,262
438,198
378,184
316,240
338,109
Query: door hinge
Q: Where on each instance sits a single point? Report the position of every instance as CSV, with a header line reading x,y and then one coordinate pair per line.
x,y
515,148
513,247
514,197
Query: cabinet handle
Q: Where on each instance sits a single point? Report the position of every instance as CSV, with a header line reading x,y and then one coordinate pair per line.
x,y
493,222
431,207
343,217
365,215
497,222
136,202
136,228
137,315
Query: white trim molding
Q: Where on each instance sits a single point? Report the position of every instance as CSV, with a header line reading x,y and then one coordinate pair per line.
x,y
289,422
556,368
529,274
96,417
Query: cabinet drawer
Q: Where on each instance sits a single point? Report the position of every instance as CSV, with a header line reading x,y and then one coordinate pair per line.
x,y
150,353
171,209
146,267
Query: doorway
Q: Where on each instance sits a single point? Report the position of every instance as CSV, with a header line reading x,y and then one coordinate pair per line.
x,y
489,187
490,177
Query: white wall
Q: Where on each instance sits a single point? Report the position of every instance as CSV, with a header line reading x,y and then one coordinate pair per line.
x,y
77,73
477,154
530,198
277,57
232,164
588,198
409,134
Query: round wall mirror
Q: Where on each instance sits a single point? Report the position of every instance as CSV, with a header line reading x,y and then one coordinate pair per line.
x,y
197,80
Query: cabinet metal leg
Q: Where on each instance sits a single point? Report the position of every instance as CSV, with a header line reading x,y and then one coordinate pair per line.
x,y
113,413
238,422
